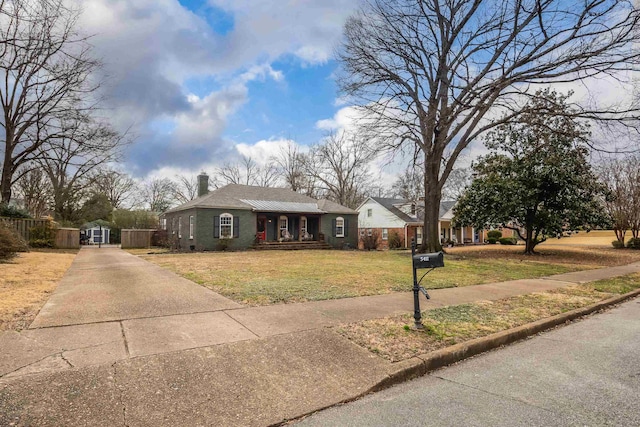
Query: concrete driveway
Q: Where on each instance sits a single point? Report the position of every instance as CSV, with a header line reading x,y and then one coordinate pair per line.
x,y
109,284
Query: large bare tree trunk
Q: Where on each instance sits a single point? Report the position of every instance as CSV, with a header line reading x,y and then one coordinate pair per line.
x,y
431,236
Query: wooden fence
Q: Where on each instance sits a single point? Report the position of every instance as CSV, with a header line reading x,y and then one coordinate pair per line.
x,y
136,238
23,225
67,238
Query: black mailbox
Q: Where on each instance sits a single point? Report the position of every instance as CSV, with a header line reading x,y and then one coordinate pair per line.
x,y
433,260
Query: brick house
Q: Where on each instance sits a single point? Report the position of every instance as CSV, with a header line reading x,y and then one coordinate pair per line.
x,y
386,216
242,216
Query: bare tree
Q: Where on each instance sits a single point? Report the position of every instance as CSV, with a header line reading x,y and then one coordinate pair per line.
x,y
34,189
248,172
267,175
158,194
410,184
185,188
44,68
70,160
622,178
119,187
458,181
428,73
340,168
289,162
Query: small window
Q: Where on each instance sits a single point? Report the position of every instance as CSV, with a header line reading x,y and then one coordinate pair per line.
x,y
369,232
385,233
362,232
226,226
163,223
419,235
191,227
413,208
339,227
369,213
179,227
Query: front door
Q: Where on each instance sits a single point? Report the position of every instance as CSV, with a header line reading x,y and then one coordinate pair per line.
x,y
262,228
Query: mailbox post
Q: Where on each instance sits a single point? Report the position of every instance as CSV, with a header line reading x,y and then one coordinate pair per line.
x,y
422,261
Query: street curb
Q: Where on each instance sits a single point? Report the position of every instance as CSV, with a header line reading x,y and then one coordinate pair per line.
x,y
421,364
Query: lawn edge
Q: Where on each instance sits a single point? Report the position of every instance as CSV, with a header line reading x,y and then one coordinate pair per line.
x,y
421,364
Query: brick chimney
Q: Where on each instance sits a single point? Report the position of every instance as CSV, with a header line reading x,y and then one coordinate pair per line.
x,y
203,184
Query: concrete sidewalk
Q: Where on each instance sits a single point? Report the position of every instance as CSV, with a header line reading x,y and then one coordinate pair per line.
x,y
135,357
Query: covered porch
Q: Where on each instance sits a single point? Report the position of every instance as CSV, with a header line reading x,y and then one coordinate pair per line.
x,y
460,236
280,227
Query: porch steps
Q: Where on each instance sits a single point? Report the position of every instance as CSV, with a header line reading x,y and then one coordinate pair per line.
x,y
291,246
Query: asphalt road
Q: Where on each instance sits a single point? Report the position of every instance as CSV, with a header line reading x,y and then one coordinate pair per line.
x,y
583,374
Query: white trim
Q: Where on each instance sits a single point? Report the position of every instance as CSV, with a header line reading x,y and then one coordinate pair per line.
x,y
229,225
341,226
191,226
179,227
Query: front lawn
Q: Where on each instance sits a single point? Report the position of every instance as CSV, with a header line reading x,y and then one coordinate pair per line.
x,y
271,277
26,282
395,339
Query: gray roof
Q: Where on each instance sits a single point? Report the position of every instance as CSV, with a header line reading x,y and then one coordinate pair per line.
x,y
264,199
333,207
391,204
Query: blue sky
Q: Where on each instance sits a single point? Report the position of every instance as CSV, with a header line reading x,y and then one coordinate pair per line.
x,y
194,79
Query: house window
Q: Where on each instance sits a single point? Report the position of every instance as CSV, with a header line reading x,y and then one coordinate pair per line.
x,y
339,227
369,232
163,223
179,227
362,232
369,213
226,226
385,233
191,227
419,235
413,208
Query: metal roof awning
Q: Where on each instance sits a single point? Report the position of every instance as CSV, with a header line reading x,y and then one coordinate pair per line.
x,y
275,206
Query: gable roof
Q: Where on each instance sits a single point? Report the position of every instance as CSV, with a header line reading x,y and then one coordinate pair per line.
x,y
249,197
391,204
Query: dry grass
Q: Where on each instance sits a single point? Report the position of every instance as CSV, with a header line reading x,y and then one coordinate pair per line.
x,y
26,283
395,340
271,277
585,256
593,238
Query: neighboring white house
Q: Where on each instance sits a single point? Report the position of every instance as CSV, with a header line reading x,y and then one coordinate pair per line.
x,y
389,215
96,235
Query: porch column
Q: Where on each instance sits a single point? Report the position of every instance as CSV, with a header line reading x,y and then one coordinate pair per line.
x,y
439,232
462,235
473,234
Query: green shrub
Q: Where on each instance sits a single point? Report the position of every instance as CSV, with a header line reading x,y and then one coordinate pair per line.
x,y
617,244
492,240
508,241
395,241
10,242
634,243
42,236
11,211
494,234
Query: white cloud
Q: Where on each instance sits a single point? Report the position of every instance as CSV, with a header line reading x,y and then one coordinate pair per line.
x,y
262,151
307,29
344,119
